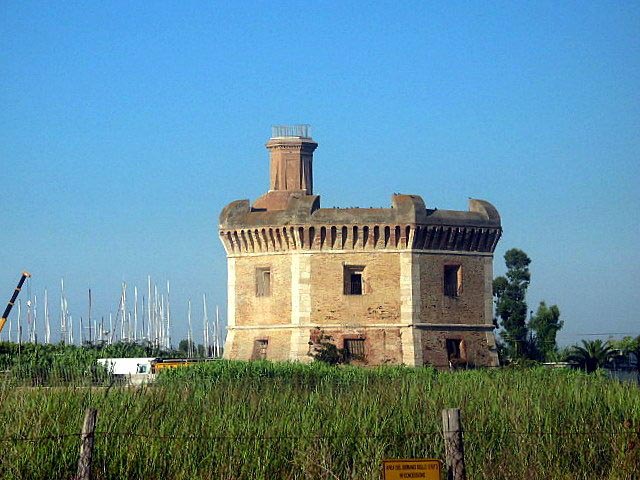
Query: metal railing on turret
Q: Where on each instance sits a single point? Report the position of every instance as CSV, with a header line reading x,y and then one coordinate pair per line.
x,y
298,131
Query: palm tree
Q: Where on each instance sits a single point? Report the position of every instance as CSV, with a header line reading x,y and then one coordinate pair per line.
x,y
591,355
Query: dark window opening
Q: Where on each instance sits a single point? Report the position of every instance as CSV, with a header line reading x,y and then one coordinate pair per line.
x,y
263,282
353,349
452,280
453,348
260,349
353,280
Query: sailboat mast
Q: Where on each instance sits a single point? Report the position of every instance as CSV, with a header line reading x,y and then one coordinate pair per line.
x,y
205,322
161,321
156,306
135,314
35,319
217,334
47,326
111,332
63,319
168,335
190,334
123,316
89,320
19,322
68,321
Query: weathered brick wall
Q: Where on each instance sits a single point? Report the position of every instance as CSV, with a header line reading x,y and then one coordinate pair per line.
x,y
267,310
326,304
380,302
381,345
478,349
469,306
278,347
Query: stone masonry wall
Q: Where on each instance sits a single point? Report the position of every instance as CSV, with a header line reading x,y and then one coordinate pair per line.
x,y
274,309
469,306
244,341
478,351
380,301
381,345
314,283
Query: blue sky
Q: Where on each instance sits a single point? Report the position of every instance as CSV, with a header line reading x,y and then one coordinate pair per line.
x,y
126,127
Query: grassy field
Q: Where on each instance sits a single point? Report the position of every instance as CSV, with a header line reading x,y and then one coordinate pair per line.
x,y
32,364
237,420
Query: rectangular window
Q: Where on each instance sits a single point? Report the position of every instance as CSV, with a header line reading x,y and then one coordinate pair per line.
x,y
260,349
453,348
353,349
263,282
353,281
452,280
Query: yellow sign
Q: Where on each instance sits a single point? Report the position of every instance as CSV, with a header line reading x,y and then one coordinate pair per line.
x,y
421,468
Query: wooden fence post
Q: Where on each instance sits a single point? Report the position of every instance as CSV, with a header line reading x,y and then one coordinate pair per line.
x,y
86,444
454,449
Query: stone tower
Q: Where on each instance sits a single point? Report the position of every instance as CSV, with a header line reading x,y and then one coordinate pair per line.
x,y
405,284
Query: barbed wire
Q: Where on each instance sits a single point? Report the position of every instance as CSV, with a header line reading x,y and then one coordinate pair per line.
x,y
190,437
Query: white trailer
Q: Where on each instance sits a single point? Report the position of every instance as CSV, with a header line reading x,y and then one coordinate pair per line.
x,y
135,370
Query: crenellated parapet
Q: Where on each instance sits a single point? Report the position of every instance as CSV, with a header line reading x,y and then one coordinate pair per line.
x,y
407,225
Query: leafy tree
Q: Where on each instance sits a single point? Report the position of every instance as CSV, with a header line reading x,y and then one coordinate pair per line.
x,y
561,354
187,347
535,340
591,355
627,346
511,307
544,326
322,348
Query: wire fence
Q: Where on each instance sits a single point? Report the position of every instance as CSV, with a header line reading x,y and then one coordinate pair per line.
x,y
157,436
615,444
627,438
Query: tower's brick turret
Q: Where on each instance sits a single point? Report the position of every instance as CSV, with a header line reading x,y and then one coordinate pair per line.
x,y
291,170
